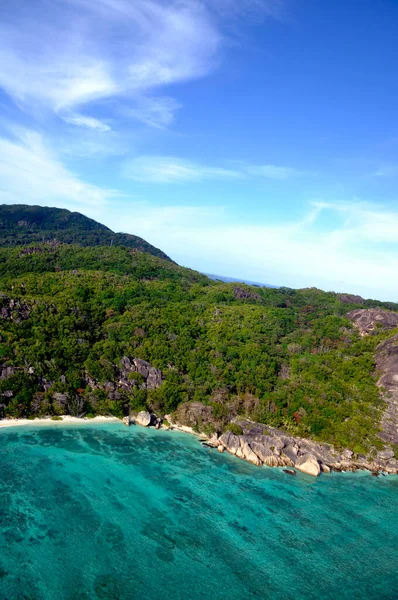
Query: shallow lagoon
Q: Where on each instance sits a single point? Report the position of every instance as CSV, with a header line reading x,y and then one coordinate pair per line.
x,y
110,512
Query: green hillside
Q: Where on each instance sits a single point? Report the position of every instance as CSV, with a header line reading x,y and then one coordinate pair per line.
x,y
73,320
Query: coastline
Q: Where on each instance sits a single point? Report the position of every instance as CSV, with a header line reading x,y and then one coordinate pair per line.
x,y
65,419
236,445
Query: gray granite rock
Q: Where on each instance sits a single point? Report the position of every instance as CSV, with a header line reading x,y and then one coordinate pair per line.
x,y
143,418
308,464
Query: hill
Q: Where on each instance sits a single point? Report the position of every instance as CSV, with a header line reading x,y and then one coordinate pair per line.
x,y
106,330
21,224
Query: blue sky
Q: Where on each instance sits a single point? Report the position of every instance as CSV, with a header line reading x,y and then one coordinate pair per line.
x,y
255,139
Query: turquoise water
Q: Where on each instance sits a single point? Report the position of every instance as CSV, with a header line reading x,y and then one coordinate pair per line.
x,y
110,512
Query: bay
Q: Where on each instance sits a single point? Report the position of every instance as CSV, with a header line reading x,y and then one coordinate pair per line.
x,y
110,512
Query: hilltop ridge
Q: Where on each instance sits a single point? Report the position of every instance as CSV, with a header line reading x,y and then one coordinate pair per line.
x,y
21,224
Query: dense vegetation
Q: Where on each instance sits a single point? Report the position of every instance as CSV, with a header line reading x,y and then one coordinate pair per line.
x,y
21,224
288,358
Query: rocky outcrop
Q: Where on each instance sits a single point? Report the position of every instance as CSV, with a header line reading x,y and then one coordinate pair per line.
x,y
263,445
371,319
13,309
6,372
242,293
152,376
350,299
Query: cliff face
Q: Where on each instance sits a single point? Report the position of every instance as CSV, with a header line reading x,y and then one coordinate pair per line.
x,y
369,321
387,366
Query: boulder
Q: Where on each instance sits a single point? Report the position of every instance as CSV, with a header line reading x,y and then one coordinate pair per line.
x,y
230,442
290,453
347,454
245,452
265,454
220,448
6,372
308,464
386,454
126,421
141,366
126,363
154,379
143,418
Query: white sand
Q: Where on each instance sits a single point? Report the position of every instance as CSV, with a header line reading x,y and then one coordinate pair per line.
x,y
66,419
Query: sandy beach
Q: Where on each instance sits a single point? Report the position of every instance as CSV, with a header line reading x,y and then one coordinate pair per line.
x,y
65,419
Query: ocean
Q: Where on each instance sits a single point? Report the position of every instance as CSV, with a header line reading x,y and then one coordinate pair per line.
x,y
110,512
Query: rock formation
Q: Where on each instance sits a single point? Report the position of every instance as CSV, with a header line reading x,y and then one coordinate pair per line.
x,y
387,367
263,445
367,321
370,319
350,299
13,309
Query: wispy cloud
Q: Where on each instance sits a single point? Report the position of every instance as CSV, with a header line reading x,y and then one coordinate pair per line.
x,y
362,223
272,171
88,122
30,172
387,171
169,169
66,54
69,53
154,111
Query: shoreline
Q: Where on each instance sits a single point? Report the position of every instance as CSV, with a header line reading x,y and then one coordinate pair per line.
x,y
64,420
343,466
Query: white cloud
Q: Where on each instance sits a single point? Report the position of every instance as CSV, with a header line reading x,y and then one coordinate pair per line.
x,y
88,122
31,173
346,256
363,223
169,169
65,54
